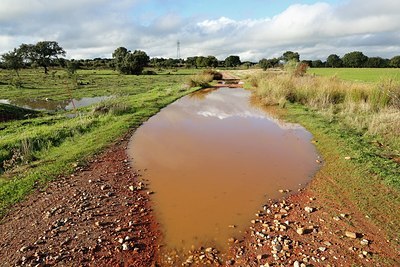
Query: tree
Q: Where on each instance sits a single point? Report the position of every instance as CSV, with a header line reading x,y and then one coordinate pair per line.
x,y
377,62
201,62
13,60
289,55
43,53
317,64
191,62
232,61
395,62
118,56
127,62
334,61
72,66
212,62
355,59
268,63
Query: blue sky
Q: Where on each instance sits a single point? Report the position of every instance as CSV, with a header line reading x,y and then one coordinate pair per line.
x,y
213,9
252,29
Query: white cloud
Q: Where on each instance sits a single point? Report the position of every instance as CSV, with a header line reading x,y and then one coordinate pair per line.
x,y
94,28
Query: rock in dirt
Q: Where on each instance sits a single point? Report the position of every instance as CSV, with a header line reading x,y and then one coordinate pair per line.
x,y
351,234
309,209
300,231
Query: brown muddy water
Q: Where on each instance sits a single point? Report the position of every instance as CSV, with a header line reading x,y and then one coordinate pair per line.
x,y
212,158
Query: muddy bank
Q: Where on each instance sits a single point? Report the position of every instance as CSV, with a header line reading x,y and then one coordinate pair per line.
x,y
97,216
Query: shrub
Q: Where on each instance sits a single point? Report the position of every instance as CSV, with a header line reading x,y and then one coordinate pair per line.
x,y
149,72
216,75
200,80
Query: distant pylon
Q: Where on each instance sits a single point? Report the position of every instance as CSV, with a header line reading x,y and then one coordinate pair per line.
x,y
178,50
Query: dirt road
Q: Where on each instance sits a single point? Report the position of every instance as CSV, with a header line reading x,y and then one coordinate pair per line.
x,y
94,217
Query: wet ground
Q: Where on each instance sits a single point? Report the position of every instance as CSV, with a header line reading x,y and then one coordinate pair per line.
x,y
99,216
212,159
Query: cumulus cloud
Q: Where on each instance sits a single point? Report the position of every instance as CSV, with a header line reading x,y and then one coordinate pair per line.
x,y
94,28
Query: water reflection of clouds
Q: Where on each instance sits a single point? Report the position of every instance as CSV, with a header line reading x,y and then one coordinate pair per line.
x,y
228,103
224,115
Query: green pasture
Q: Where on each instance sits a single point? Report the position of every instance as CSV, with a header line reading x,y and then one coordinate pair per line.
x,y
35,150
358,74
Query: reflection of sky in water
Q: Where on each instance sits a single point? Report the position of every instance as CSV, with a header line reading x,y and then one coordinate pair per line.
x,y
52,105
227,103
212,158
86,101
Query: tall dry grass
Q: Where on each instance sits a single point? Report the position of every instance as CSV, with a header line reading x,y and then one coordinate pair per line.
x,y
369,108
200,80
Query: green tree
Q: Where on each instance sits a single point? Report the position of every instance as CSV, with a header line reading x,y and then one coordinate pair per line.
x,y
355,59
290,55
13,60
268,63
334,61
377,62
317,64
72,66
191,62
212,62
395,62
119,56
43,53
201,62
232,61
127,62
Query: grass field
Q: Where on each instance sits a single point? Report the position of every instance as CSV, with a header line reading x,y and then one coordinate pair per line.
x,y
37,150
358,74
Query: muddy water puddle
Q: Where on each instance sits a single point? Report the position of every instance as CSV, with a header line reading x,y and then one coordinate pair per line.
x,y
213,158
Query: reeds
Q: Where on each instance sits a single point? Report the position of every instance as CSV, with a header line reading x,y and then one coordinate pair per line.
x,y
368,108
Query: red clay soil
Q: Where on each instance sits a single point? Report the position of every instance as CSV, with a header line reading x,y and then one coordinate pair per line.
x,y
91,218
299,231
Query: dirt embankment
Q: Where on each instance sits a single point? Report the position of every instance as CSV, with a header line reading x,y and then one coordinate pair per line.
x,y
97,216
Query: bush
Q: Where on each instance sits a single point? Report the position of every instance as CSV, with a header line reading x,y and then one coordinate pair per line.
x,y
200,80
149,72
216,75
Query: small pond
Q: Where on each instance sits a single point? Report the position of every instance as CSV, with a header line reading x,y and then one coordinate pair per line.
x,y
54,105
213,158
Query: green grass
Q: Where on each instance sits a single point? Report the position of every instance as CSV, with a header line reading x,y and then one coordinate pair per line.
x,y
37,150
358,74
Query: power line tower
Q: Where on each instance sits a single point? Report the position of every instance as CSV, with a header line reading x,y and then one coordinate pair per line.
x,y
178,50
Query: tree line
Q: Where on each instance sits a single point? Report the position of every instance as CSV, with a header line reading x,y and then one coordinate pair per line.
x,y
355,59
47,54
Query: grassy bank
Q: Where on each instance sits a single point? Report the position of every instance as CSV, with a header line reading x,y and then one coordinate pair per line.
x,y
368,109
10,112
356,128
37,150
